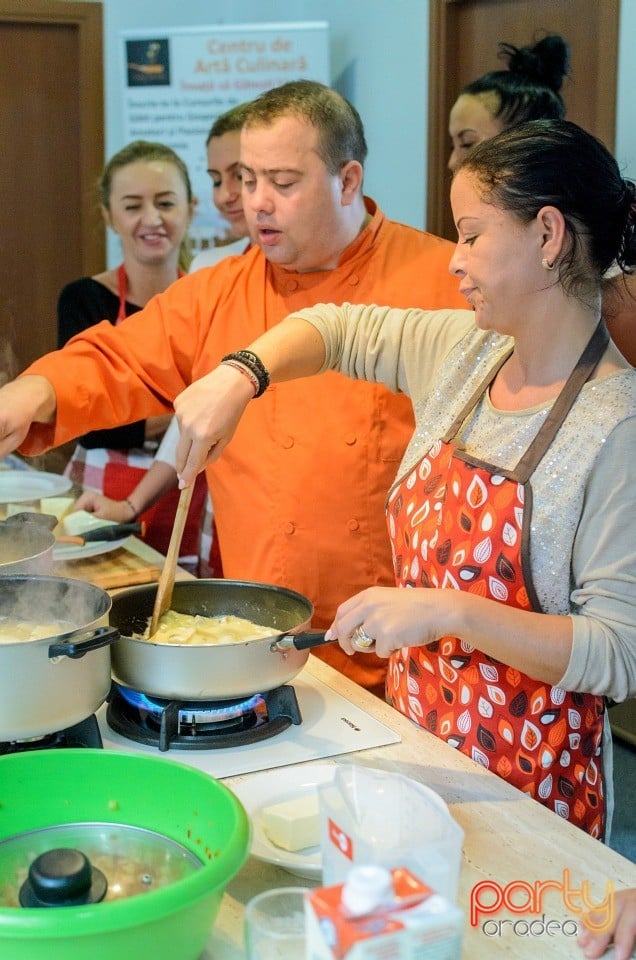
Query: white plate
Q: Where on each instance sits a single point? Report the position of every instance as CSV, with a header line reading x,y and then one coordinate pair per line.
x,y
274,786
21,486
74,551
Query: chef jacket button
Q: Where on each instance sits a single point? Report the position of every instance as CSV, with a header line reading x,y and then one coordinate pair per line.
x,y
350,439
288,443
353,525
354,279
289,527
292,285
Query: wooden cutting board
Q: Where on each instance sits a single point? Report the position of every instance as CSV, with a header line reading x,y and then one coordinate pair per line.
x,y
118,568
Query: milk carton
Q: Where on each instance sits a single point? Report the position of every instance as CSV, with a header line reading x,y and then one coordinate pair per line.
x,y
381,915
370,816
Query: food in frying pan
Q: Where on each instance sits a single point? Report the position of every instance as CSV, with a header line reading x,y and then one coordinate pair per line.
x,y
185,628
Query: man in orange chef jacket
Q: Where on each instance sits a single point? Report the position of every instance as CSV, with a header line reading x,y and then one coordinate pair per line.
x,y
299,493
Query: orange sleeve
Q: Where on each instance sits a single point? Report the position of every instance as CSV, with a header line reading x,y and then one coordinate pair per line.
x,y
110,375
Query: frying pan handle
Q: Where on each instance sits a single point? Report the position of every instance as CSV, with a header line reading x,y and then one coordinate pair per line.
x,y
301,641
76,644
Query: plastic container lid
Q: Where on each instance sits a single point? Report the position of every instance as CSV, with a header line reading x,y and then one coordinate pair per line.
x,y
366,888
81,863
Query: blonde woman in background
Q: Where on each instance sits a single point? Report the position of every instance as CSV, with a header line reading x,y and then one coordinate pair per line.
x,y
223,147
146,199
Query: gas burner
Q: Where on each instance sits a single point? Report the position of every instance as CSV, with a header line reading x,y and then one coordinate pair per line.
x,y
83,734
201,725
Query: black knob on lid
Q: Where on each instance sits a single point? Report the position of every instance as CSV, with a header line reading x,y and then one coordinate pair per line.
x,y
62,878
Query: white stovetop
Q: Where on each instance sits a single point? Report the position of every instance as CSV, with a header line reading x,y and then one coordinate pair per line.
x,y
331,726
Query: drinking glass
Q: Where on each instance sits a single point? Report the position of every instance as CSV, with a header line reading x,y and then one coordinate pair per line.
x,y
275,924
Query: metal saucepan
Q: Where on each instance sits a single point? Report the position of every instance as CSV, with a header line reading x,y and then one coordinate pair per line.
x,y
208,672
26,546
50,684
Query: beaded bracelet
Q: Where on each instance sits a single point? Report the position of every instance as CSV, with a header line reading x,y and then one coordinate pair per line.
x,y
253,379
254,364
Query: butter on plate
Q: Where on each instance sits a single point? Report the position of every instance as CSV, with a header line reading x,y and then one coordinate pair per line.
x,y
57,506
293,824
80,522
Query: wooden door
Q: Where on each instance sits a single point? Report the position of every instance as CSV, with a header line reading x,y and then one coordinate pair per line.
x,y
464,38
51,155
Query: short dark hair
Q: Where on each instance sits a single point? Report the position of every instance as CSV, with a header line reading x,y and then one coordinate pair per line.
x,y
340,130
228,122
557,163
529,88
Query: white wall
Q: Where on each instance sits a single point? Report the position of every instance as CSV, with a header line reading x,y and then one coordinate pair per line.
x,y
625,112
378,60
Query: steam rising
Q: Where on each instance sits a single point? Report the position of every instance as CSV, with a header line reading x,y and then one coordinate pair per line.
x,y
28,544
35,598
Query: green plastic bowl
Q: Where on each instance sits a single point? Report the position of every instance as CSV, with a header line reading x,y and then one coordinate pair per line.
x,y
50,787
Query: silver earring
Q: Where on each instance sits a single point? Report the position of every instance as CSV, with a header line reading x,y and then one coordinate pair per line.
x,y
546,265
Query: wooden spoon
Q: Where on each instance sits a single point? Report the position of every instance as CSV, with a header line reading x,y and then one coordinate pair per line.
x,y
165,587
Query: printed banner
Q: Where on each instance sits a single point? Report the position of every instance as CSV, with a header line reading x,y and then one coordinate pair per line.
x,y
177,81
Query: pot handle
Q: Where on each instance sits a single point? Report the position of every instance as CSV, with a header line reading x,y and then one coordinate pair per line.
x,y
75,645
301,641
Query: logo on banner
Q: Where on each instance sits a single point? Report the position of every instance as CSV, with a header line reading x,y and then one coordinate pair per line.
x,y
148,63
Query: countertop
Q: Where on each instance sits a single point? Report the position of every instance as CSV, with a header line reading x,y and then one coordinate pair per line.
x,y
509,839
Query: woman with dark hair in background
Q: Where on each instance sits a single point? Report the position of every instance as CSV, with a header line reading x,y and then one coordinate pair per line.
x,y
223,153
530,89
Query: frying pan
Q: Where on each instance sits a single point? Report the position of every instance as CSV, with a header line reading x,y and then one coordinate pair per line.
x,y
213,672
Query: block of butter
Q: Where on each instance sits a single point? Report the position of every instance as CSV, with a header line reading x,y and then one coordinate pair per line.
x,y
56,506
80,521
293,824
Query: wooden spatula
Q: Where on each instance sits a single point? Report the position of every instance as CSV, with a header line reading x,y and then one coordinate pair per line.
x,y
166,580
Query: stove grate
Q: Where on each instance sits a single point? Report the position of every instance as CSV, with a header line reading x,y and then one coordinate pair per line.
x,y
83,734
196,725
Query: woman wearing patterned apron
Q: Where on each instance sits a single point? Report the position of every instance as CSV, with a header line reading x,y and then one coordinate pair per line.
x,y
223,150
460,523
147,201
513,519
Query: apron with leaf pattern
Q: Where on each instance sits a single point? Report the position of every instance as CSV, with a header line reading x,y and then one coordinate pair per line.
x,y
459,523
